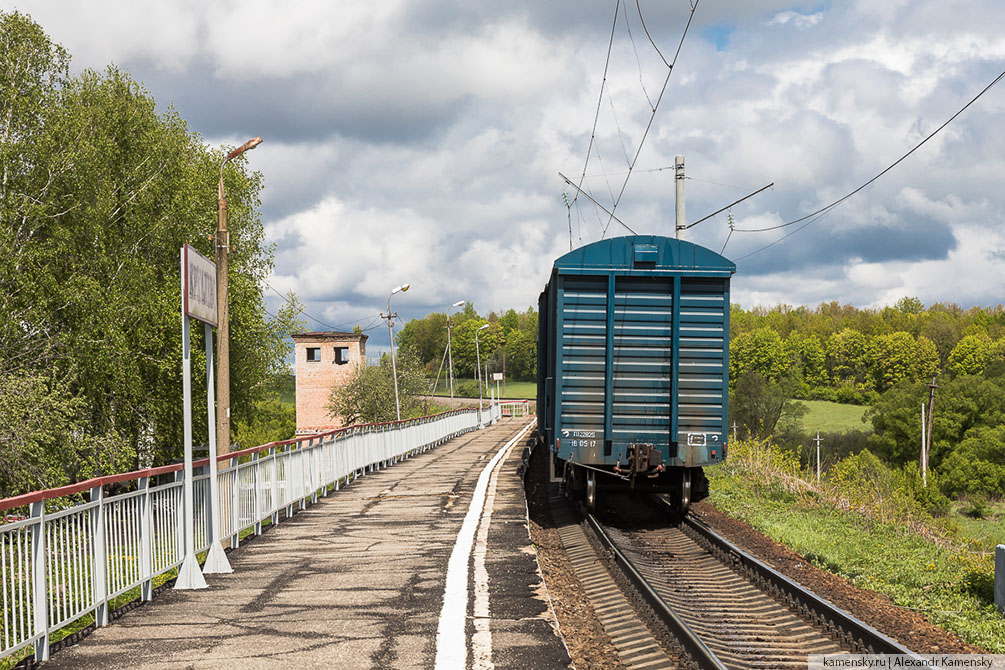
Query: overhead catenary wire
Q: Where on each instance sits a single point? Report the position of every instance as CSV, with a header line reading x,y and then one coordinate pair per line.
x,y
644,27
883,172
652,117
621,137
569,182
628,27
600,99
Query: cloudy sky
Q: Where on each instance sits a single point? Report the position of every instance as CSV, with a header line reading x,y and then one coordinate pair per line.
x,y
420,141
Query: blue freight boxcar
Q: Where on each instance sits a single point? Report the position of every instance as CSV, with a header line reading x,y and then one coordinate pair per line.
x,y
633,366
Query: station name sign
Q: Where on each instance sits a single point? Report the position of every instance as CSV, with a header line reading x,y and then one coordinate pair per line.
x,y
198,286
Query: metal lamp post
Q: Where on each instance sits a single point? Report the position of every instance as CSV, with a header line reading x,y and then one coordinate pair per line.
x,y
479,367
390,324
223,324
450,351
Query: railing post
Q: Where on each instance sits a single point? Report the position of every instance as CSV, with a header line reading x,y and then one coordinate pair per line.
x,y
275,485
336,466
39,590
100,568
235,505
256,479
293,472
146,540
179,517
317,458
303,472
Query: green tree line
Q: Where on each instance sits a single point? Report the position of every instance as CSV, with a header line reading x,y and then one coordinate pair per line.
x,y
98,192
508,345
847,354
884,358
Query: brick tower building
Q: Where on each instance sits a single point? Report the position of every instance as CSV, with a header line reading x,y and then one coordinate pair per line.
x,y
323,359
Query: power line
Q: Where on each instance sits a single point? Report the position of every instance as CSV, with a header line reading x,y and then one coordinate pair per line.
x,y
786,236
600,98
304,312
735,202
652,117
618,174
887,169
707,181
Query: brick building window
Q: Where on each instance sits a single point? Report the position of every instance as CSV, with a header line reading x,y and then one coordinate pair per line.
x,y
313,354
341,355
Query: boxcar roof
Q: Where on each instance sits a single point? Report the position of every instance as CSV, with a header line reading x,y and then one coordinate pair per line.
x,y
644,255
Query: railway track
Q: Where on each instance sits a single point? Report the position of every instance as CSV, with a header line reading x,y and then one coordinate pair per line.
x,y
707,603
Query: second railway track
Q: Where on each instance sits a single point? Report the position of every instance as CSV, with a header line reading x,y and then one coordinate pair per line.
x,y
721,606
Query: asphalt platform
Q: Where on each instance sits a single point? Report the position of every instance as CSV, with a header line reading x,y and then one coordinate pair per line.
x,y
361,580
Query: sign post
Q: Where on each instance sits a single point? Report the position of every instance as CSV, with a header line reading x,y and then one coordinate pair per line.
x,y
497,377
198,298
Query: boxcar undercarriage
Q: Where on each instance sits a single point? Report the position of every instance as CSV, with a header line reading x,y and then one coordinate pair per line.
x,y
589,483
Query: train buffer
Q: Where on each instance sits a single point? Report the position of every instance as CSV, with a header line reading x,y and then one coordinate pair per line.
x,y
425,564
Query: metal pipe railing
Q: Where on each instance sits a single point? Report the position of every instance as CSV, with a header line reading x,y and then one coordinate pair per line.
x,y
58,565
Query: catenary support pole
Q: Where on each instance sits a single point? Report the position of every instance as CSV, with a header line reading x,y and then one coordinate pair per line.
x,y
924,443
931,415
680,224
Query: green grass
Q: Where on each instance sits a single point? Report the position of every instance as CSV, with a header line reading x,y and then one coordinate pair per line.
x,y
987,532
511,389
832,417
950,585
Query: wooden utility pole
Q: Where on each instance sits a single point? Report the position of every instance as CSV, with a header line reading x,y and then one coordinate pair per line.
x,y
817,440
928,446
223,319
679,224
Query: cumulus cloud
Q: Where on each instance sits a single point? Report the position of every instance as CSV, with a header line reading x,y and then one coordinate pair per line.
x,y
421,142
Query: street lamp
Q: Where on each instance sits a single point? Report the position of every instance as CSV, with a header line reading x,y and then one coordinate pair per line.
x,y
450,351
390,324
223,316
479,366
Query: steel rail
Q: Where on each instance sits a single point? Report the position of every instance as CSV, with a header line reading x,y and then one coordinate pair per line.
x,y
690,641
855,630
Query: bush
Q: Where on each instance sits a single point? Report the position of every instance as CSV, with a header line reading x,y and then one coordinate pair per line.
x,y
847,394
868,483
466,388
977,507
932,499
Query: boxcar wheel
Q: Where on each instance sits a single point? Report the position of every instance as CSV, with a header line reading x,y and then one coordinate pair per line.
x,y
685,490
591,491
570,481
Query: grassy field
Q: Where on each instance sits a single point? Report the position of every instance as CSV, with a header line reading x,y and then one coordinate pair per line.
x,y
832,417
942,568
469,388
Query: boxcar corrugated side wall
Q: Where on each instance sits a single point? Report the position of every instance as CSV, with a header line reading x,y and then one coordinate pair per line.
x,y
633,348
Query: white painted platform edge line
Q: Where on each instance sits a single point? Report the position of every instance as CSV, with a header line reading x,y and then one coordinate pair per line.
x,y
481,640
451,642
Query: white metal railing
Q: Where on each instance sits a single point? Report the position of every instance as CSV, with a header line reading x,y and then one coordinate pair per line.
x,y
58,565
514,408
